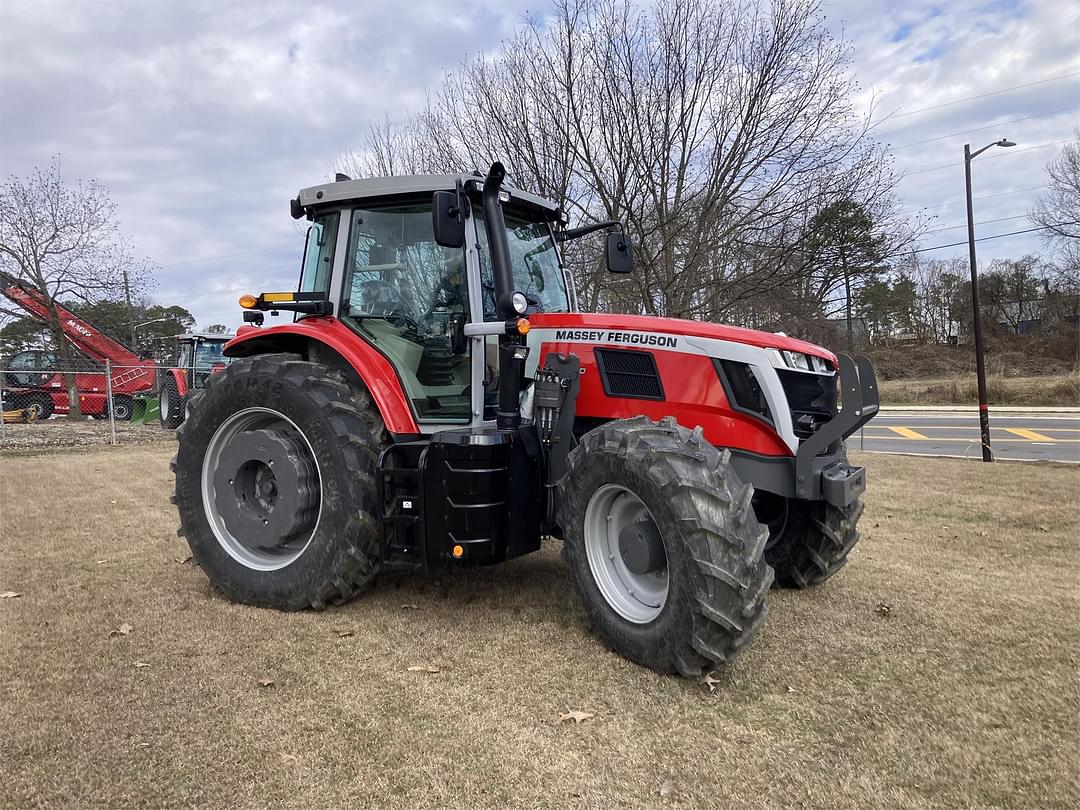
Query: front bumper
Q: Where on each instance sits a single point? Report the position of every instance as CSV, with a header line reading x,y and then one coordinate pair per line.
x,y
819,470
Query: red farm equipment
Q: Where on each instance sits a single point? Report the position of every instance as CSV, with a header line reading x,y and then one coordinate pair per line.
x,y
199,354
34,380
439,402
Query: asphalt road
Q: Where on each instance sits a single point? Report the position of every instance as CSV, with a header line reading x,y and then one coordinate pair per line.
x,y
1015,436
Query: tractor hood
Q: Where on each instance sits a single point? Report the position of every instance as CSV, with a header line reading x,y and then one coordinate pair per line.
x,y
674,326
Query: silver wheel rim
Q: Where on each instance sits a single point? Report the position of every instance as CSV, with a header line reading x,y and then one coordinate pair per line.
x,y
164,403
261,559
638,598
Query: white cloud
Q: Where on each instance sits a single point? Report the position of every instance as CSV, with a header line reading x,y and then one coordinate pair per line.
x,y
203,119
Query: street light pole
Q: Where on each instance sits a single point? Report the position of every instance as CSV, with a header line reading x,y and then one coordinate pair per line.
x,y
980,363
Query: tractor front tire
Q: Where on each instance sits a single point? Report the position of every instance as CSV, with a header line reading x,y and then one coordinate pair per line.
x,y
815,542
170,404
276,483
663,545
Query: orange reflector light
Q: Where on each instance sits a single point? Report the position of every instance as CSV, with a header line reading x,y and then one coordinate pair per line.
x,y
523,326
458,552
248,301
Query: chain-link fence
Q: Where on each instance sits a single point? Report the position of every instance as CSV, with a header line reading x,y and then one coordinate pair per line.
x,y
88,403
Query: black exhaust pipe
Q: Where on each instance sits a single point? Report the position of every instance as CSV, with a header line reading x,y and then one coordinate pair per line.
x,y
511,345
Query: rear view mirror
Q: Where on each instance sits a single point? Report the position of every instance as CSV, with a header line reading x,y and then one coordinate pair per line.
x,y
447,219
620,253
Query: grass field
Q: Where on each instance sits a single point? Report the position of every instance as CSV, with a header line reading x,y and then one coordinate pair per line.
x,y
939,669
1051,389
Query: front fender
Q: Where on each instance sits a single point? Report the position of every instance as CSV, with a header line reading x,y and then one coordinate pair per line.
x,y
180,378
373,369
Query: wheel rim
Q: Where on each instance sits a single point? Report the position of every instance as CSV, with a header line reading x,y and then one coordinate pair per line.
x,y
163,403
261,488
121,410
635,589
36,408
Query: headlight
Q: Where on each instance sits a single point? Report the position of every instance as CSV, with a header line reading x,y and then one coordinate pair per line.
x,y
797,360
519,302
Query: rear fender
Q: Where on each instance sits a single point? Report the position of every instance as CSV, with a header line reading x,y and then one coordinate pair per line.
x,y
326,340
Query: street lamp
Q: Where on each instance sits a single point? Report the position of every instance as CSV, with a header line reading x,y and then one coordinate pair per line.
x,y
147,323
980,365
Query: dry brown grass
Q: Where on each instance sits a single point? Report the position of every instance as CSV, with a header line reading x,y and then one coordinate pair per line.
x,y
63,432
1057,389
965,695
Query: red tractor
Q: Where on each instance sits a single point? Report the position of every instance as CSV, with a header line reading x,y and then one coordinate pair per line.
x,y
439,402
199,354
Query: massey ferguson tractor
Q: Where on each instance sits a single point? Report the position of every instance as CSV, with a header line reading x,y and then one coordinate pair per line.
x,y
439,402
199,354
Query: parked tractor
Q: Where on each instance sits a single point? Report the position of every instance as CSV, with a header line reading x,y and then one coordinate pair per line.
x,y
440,402
199,354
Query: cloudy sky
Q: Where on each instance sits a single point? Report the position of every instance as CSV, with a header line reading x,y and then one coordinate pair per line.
x,y
203,119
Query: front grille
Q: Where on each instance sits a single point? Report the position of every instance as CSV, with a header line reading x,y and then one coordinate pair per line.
x,y
628,374
811,397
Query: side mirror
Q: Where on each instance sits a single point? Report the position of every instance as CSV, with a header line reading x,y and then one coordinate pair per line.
x,y
620,253
447,219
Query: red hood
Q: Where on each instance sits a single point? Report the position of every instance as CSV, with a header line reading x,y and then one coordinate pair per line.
x,y
674,326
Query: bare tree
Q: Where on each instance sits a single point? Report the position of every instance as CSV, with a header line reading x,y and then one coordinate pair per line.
x,y
715,130
1059,210
63,241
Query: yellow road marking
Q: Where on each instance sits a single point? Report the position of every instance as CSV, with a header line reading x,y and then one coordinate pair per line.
x,y
973,440
907,433
1031,435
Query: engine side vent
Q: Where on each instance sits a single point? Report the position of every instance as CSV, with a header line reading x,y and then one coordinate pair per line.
x,y
629,374
743,390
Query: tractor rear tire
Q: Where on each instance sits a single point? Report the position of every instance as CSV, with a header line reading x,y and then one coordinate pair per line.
x,y
814,544
704,606
170,404
322,546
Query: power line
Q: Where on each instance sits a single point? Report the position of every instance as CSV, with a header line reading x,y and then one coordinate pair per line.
x,y
910,209
988,126
983,95
984,222
995,236
1014,152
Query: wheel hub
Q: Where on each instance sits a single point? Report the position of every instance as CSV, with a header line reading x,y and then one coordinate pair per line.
x,y
266,489
641,547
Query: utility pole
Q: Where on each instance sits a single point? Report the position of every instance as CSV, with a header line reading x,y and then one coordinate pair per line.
x,y
130,311
847,297
980,360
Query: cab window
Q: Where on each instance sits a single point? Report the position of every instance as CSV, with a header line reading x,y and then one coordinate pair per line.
x,y
405,293
534,263
319,253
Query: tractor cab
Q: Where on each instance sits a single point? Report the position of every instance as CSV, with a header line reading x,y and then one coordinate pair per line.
x,y
374,254
199,354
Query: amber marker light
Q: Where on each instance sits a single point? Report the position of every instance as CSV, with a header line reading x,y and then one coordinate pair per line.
x,y
248,301
458,552
523,326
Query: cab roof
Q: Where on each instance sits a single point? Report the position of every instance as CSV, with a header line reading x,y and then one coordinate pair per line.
x,y
345,191
213,336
